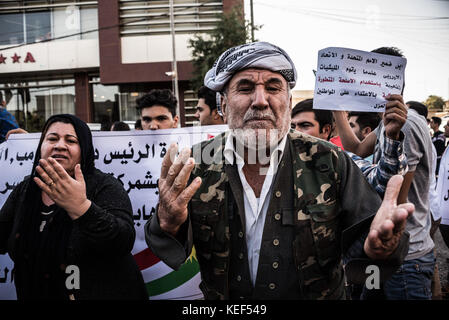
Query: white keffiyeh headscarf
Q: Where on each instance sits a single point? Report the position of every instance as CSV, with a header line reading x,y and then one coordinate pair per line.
x,y
261,55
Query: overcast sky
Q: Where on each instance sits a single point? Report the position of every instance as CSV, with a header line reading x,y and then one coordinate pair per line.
x,y
420,28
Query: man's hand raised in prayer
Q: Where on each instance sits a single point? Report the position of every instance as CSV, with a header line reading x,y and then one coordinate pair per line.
x,y
388,223
174,196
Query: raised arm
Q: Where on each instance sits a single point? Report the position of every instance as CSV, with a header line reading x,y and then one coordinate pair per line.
x,y
393,119
167,233
349,139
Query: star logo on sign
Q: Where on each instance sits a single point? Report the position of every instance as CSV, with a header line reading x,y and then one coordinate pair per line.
x,y
15,58
2,59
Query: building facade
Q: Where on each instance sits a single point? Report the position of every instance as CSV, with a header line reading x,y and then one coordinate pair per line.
x,y
95,58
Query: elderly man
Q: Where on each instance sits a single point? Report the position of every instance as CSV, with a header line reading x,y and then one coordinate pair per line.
x,y
290,210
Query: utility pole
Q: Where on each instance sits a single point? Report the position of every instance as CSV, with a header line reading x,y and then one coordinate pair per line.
x,y
252,20
174,68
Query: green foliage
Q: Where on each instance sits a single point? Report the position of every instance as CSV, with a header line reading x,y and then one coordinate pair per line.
x,y
231,30
434,103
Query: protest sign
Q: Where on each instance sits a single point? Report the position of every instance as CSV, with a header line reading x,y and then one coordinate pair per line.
x,y
355,80
134,158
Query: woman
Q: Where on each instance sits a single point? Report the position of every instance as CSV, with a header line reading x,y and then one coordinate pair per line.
x,y
68,213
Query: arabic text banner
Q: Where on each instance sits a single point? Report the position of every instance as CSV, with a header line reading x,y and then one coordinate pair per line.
x,y
354,80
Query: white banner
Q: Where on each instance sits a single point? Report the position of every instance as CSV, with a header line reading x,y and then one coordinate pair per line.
x,y
355,80
134,158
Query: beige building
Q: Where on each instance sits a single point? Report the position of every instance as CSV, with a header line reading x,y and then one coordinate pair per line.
x,y
300,95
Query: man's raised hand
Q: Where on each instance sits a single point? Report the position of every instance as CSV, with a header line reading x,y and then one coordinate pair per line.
x,y
389,222
395,116
174,194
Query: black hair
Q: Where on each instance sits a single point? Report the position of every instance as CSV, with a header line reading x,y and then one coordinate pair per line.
x,y
209,96
366,119
419,107
120,126
162,97
138,124
437,120
322,116
391,51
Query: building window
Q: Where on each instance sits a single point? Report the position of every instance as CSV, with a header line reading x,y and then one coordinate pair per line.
x,y
153,17
106,104
38,26
31,21
128,110
33,103
12,29
89,23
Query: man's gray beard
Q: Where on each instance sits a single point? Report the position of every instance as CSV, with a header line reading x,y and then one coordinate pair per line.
x,y
258,139
257,145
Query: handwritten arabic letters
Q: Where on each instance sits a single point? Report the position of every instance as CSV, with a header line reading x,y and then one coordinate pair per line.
x,y
357,80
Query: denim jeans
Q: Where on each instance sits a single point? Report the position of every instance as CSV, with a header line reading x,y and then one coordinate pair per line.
x,y
412,281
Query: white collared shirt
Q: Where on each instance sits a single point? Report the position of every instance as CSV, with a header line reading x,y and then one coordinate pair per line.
x,y
255,208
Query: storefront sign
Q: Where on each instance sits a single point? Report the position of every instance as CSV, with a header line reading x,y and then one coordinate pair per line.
x,y
16,58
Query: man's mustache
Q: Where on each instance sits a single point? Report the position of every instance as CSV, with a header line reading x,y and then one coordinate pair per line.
x,y
257,115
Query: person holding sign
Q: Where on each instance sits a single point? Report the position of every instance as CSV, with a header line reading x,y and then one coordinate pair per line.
x,y
68,226
291,210
413,279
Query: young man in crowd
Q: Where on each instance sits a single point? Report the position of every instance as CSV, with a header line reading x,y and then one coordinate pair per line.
x,y
206,110
317,123
158,110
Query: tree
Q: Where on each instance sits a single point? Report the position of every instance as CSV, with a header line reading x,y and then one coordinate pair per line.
x,y
434,103
231,30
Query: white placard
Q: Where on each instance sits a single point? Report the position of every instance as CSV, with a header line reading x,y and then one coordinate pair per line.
x,y
354,80
134,158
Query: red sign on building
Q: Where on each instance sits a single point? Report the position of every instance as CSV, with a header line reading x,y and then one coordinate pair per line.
x,y
16,59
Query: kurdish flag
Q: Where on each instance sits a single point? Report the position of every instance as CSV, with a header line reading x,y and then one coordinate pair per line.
x,y
163,282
